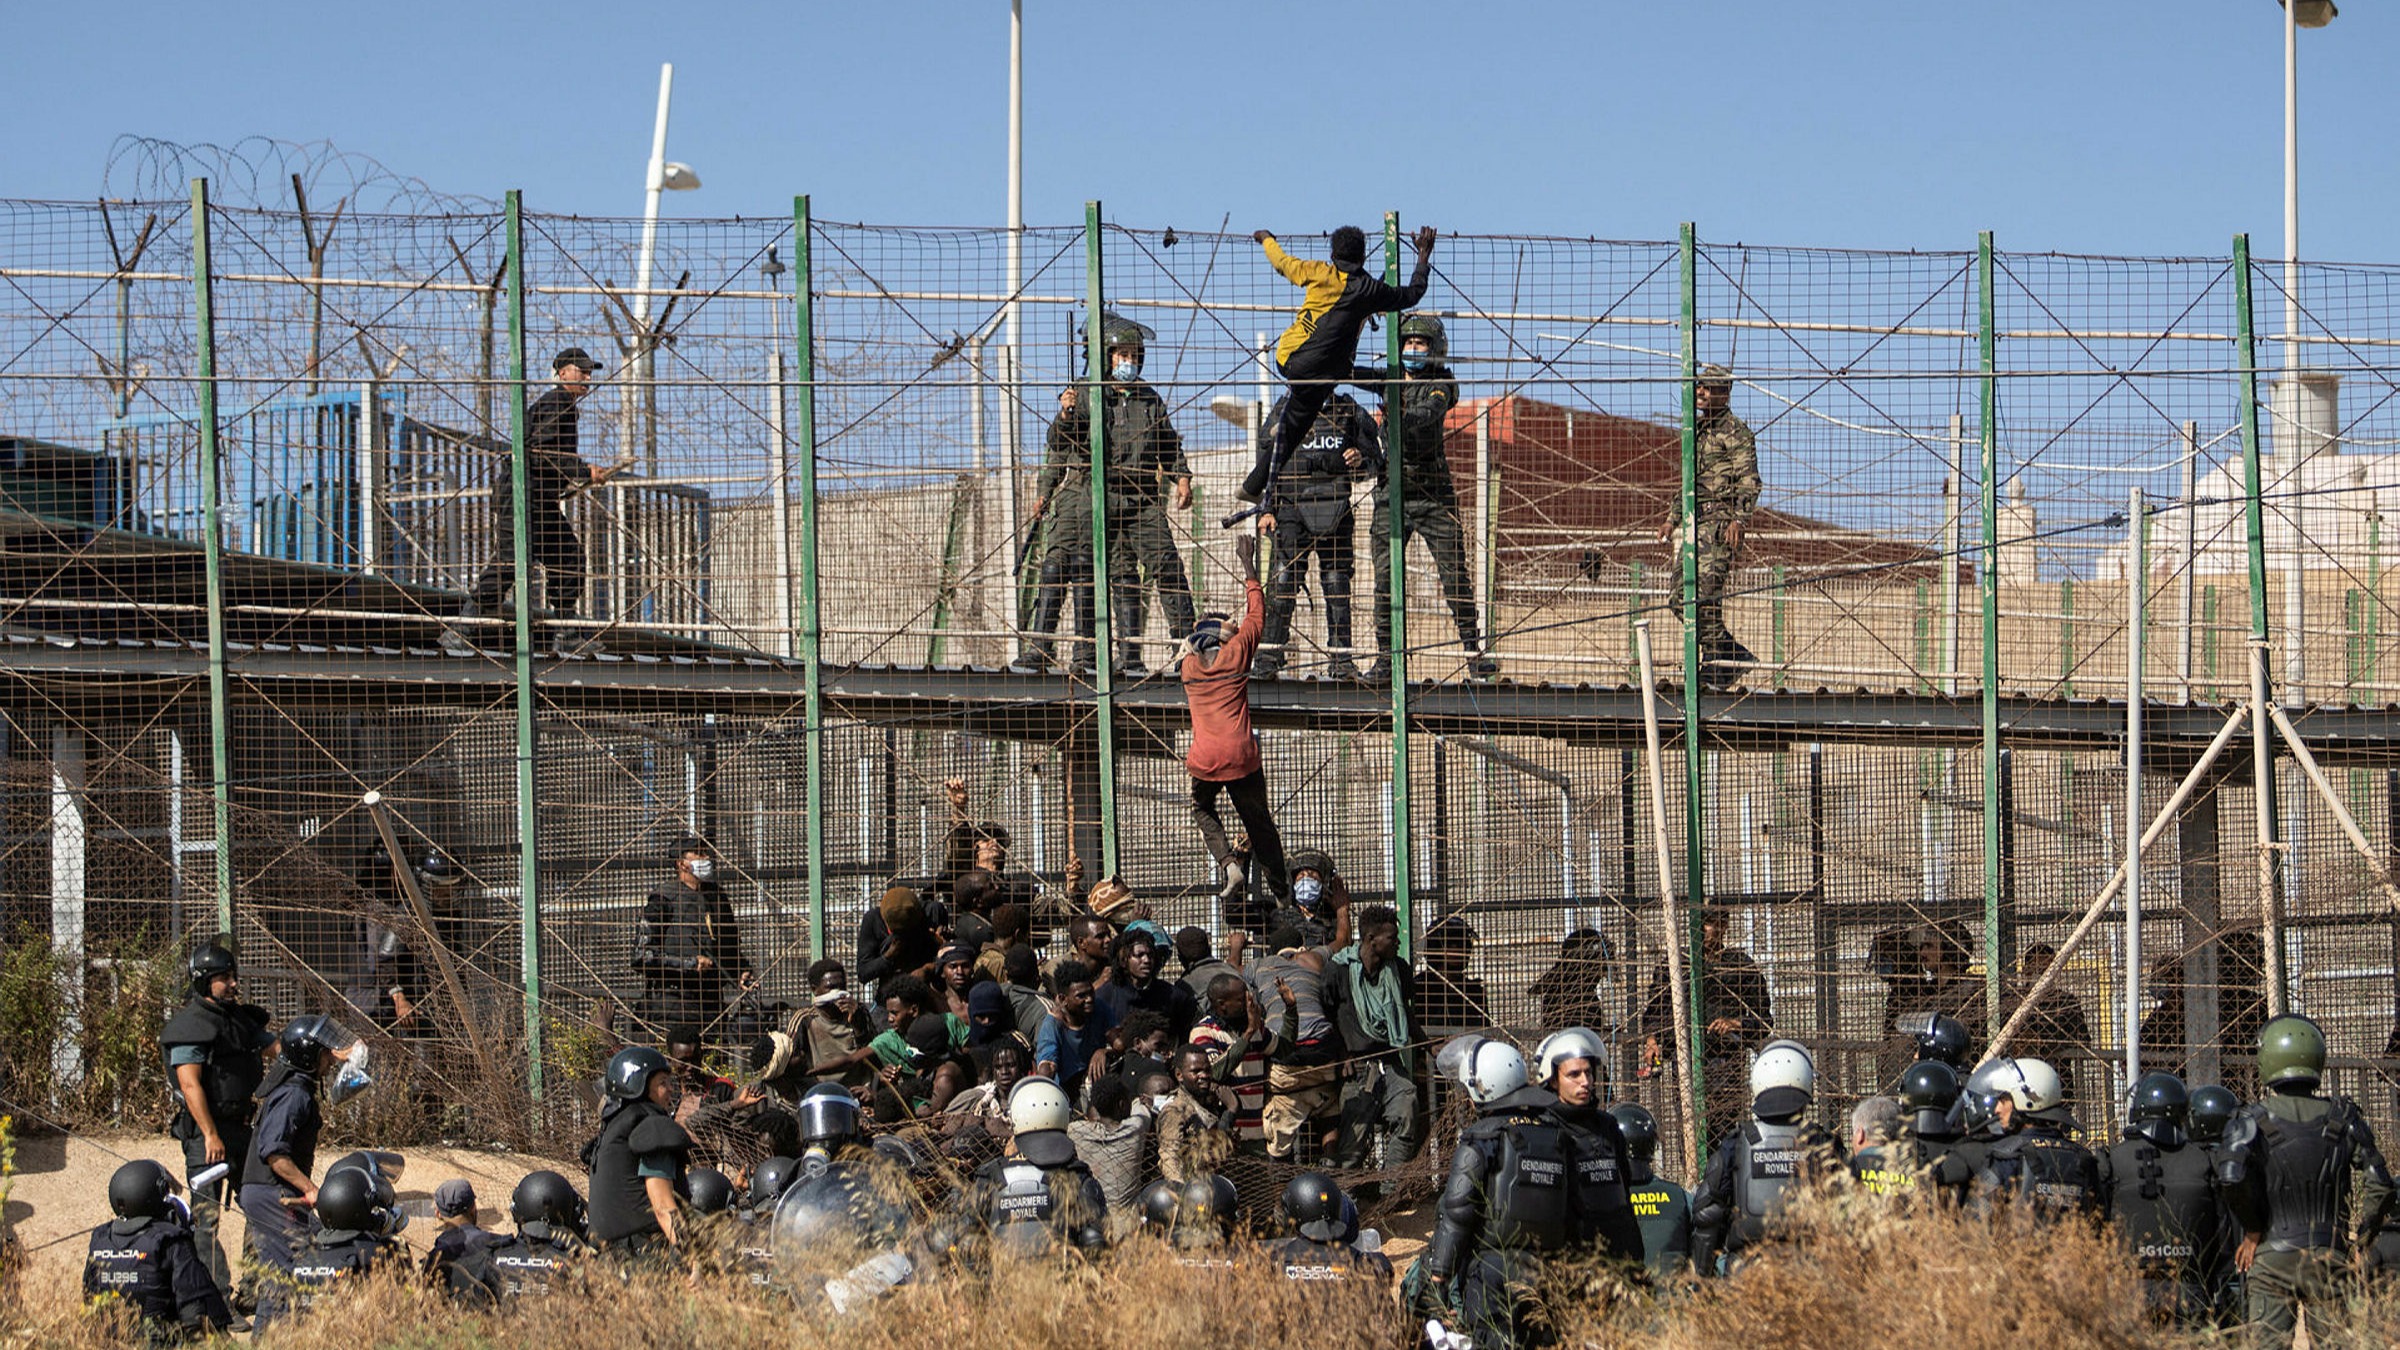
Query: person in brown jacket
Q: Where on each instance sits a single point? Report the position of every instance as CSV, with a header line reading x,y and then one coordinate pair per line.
x,y
1224,757
1195,1128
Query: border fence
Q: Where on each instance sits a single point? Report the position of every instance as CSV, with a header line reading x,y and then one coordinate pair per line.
x,y
2054,553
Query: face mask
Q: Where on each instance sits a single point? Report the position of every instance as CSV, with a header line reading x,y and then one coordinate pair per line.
x,y
1415,360
1125,370
1159,1103
703,869
1306,891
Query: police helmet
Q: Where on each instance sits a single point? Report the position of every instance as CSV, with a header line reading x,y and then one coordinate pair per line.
x,y
141,1189
828,1119
1314,860
2160,1096
1783,1080
308,1039
2032,1084
1560,1046
210,960
1417,324
710,1190
2291,1049
2211,1109
1487,1069
1639,1127
1037,1104
1977,1099
1118,331
1940,1036
546,1197
1929,1085
1161,1203
355,1198
438,870
627,1077
1211,1201
1315,1204
770,1179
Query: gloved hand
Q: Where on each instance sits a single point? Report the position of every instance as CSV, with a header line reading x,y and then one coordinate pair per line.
x,y
1431,1302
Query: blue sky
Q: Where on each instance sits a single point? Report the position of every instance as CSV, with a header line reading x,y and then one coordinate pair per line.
x,y
2148,128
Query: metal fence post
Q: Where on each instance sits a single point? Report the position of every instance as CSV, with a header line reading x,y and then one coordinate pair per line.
x,y
1995,948
2262,741
1104,688
1695,821
812,616
212,550
1396,577
529,858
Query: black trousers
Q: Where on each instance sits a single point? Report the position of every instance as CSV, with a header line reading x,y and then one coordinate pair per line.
x,y
556,549
1249,795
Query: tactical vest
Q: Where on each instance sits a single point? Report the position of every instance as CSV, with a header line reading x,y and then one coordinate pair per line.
x,y
328,1258
1530,1184
752,1256
1024,1211
1599,1186
133,1267
2053,1175
526,1264
1306,1261
1664,1211
235,1068
1315,470
2307,1181
2166,1203
1885,1170
620,1203
1138,438
302,1146
1766,1162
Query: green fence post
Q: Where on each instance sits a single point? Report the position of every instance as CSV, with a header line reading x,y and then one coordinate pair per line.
x,y
812,618
1396,649
529,853
212,552
1995,948
2270,879
1104,683
1695,821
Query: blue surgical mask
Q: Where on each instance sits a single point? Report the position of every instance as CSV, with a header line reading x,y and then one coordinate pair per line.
x,y
1124,370
1306,891
1415,360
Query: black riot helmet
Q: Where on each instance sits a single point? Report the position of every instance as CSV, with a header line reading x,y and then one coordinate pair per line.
x,y
210,960
1930,1089
770,1179
436,869
1640,1129
1940,1036
2210,1110
828,1119
1161,1204
546,1197
627,1077
1211,1205
711,1191
141,1190
2160,1109
356,1199
1315,1204
306,1040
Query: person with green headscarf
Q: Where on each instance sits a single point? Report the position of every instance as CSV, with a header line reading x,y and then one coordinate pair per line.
x,y
1372,994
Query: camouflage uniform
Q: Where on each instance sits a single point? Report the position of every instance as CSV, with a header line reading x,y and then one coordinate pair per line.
x,y
1429,501
1729,486
1143,453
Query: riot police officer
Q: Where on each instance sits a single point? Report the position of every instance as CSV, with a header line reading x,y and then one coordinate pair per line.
x,y
145,1257
2034,1161
360,1217
1325,1225
1660,1205
1510,1199
2159,1188
1310,515
845,1201
1940,1037
1570,1065
1760,1161
637,1159
1039,1196
2212,1110
215,1047
2297,1168
1418,397
549,1242
276,1191
1194,1217
1929,1097
687,946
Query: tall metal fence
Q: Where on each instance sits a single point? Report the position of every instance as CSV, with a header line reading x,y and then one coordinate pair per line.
x,y
2025,520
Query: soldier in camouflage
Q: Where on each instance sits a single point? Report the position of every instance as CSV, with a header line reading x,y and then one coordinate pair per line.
x,y
1145,463
1425,391
1729,486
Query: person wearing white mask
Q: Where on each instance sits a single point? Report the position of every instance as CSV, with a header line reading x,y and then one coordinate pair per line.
x,y
687,947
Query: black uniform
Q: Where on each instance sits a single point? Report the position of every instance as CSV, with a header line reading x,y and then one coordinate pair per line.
x,y
535,1259
1428,497
1604,1207
289,1120
1747,1178
1313,516
153,1266
2038,1166
1511,1200
553,467
2163,1198
334,1255
679,925
1039,1196
1308,1261
227,1041
2285,1169
636,1142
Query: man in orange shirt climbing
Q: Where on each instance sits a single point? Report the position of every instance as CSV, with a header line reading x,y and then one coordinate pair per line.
x,y
1224,757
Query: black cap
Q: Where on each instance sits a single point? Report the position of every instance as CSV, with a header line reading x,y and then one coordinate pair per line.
x,y
574,356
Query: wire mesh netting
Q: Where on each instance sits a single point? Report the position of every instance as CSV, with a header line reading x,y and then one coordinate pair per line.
x,y
863,572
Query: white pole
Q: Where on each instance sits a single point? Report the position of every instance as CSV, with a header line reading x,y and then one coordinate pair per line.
x,y
2262,768
1011,407
2138,597
2191,554
1487,602
2291,185
68,832
2295,587
1670,935
654,182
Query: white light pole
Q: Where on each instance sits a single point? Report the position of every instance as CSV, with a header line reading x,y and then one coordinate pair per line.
x,y
1011,444
659,176
2299,409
